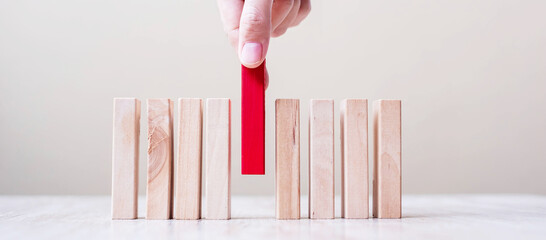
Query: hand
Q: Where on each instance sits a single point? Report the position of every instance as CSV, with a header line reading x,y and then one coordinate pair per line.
x,y
249,24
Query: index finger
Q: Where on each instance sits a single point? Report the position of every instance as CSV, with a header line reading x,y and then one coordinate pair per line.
x,y
230,12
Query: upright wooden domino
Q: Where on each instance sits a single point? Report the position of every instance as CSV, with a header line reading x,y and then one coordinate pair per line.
x,y
188,168
125,158
387,184
160,159
354,158
321,159
218,159
287,158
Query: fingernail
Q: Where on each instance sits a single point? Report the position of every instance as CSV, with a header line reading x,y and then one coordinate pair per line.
x,y
251,53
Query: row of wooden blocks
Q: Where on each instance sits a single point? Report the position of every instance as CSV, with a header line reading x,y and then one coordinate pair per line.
x,y
162,181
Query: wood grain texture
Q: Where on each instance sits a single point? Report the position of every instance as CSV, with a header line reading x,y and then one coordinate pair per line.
x,y
354,158
387,183
287,158
321,159
187,200
253,120
218,159
160,159
125,151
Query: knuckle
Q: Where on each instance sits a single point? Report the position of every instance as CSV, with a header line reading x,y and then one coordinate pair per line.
x,y
253,20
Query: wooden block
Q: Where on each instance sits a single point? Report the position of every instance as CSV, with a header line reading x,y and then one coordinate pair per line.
x,y
354,158
218,159
253,120
160,159
125,158
321,159
287,158
188,168
387,181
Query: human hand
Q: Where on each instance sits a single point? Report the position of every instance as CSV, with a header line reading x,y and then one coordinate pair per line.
x,y
249,24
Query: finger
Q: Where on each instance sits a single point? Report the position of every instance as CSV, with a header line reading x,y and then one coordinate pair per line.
x,y
305,9
286,23
254,32
230,13
279,11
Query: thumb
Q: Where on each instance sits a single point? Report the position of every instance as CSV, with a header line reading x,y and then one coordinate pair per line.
x,y
254,32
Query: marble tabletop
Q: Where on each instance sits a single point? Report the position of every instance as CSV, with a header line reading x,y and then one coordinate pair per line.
x,y
424,216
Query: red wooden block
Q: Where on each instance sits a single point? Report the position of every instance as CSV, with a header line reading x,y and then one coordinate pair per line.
x,y
253,120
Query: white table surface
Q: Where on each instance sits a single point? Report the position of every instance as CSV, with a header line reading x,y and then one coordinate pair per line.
x,y
424,216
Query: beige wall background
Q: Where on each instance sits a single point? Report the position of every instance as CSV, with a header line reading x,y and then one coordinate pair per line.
x,y
471,74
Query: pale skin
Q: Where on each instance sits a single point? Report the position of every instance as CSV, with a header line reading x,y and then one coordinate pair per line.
x,y
250,24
